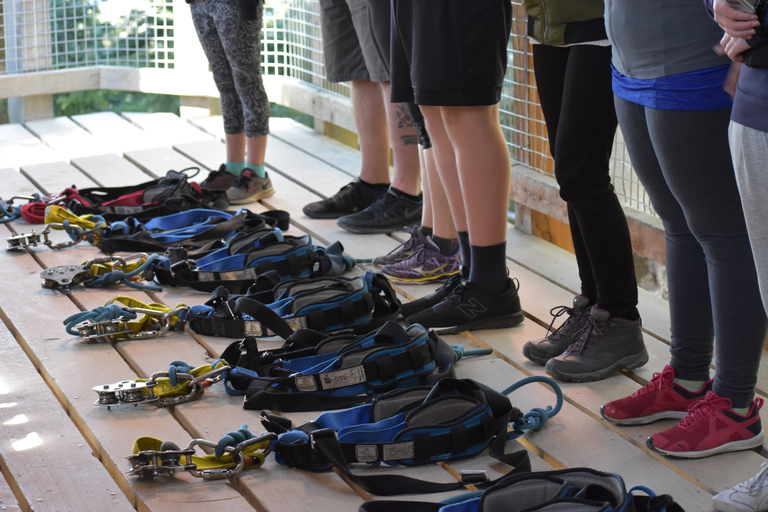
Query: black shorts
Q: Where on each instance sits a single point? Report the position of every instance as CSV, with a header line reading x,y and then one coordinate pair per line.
x,y
449,52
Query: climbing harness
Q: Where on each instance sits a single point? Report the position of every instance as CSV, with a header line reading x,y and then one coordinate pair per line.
x,y
323,304
314,371
103,272
576,489
178,385
79,228
452,419
236,451
290,256
119,320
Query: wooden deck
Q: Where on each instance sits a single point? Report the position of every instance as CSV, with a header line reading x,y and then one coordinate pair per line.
x,y
58,452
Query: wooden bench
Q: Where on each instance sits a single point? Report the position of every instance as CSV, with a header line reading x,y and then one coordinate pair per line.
x,y
47,370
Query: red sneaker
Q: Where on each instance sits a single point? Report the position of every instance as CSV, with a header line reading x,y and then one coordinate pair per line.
x,y
711,427
660,399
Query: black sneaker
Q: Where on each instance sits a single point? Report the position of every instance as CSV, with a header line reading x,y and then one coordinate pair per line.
x,y
426,302
542,350
219,180
468,309
388,213
350,198
605,345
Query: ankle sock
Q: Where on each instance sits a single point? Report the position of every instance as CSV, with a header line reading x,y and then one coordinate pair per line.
x,y
489,268
425,231
400,193
742,411
690,385
447,246
235,167
378,187
466,253
258,169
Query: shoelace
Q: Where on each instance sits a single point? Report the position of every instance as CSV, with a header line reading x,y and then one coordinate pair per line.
x,y
659,381
380,207
408,244
568,326
703,409
590,333
243,181
757,482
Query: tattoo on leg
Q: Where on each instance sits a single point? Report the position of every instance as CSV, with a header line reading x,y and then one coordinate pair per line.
x,y
410,140
404,119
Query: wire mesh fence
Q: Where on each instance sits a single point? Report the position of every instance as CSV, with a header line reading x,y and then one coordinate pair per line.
x,y
39,35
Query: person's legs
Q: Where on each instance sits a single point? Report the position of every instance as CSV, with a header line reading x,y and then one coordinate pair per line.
x,y
373,134
749,149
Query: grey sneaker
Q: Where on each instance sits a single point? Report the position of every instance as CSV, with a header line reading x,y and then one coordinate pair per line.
x,y
424,266
219,180
605,345
388,213
404,250
542,350
249,187
352,197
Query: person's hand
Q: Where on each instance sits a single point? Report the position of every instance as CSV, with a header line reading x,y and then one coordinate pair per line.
x,y
735,23
733,47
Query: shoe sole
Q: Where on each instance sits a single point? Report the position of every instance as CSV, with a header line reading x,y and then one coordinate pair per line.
x,y
645,420
734,446
479,325
332,215
256,197
627,363
378,230
421,280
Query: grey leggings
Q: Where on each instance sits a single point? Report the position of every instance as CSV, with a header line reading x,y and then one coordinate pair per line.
x,y
684,163
233,49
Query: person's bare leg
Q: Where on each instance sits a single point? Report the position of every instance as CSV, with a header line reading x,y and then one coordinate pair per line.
x,y
405,144
484,170
235,143
435,200
426,213
372,131
256,149
445,158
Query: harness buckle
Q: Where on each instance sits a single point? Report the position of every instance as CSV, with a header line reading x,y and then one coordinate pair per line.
x,y
317,434
473,476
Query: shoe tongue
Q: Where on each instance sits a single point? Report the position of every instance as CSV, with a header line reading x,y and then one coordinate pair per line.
x,y
431,245
600,315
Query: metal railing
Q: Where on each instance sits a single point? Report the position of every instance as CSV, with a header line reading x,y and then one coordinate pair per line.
x,y
41,35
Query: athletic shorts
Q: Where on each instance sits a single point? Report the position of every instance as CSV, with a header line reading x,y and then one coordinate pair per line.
x,y
348,45
449,52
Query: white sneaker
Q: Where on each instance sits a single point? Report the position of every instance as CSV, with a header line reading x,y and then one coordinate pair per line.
x,y
750,496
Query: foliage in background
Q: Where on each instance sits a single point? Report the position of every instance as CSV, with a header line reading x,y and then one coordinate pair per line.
x,y
86,102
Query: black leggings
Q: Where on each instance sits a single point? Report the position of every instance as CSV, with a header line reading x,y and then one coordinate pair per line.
x,y
684,163
574,85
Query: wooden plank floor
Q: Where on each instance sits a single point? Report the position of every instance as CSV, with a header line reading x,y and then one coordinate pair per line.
x,y
59,452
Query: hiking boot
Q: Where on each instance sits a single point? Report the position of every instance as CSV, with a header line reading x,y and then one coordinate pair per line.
x,y
468,308
249,187
350,198
424,266
660,399
749,496
606,344
426,302
711,427
387,213
219,180
542,350
403,251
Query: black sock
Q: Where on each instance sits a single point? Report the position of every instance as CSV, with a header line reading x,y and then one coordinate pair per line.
x,y
378,187
447,246
425,231
489,268
466,253
400,193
